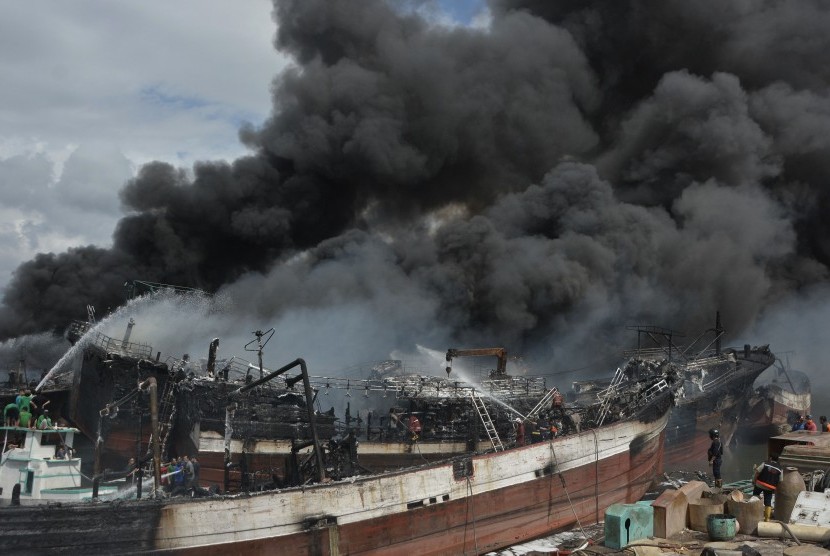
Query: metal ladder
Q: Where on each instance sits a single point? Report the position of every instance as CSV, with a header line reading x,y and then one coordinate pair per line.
x,y
489,427
166,413
548,397
608,394
654,390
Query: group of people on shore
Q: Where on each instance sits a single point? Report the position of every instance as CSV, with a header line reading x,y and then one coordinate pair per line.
x,y
25,412
803,423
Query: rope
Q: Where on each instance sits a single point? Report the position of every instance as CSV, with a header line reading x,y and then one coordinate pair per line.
x,y
470,511
565,486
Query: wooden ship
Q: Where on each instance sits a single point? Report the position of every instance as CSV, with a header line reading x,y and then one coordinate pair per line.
x,y
472,503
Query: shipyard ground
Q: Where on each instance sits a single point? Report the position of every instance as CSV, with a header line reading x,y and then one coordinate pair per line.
x,y
687,543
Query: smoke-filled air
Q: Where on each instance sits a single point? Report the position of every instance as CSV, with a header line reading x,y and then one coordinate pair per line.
x,y
538,182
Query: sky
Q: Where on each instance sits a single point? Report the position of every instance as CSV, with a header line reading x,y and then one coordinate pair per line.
x,y
93,90
373,177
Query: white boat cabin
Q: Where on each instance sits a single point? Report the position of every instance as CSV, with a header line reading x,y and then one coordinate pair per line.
x,y
32,470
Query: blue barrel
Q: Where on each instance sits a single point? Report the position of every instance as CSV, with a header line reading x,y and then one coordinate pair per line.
x,y
721,527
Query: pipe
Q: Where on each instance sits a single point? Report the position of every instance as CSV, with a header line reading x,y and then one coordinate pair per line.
x,y
309,396
211,362
152,386
229,411
812,533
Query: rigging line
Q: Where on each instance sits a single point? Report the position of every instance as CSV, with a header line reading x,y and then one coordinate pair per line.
x,y
596,475
565,487
418,445
471,510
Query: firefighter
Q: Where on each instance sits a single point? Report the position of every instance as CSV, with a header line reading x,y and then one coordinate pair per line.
x,y
767,476
414,427
520,432
715,455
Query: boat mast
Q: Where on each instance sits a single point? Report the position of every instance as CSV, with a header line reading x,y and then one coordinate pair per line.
x,y
268,334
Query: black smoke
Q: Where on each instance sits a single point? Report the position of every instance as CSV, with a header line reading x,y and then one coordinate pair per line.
x,y
571,168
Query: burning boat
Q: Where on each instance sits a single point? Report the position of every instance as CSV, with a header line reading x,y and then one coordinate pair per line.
x,y
468,504
717,385
775,404
258,445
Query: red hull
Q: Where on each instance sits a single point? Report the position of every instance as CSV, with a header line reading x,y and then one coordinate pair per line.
x,y
480,523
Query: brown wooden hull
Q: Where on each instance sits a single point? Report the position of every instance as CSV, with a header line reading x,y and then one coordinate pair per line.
x,y
472,504
479,523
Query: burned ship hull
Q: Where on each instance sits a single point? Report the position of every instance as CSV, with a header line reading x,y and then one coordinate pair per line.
x,y
467,505
717,386
103,369
450,425
775,405
714,393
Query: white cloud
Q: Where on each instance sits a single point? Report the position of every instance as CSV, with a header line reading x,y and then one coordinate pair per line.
x,y
92,90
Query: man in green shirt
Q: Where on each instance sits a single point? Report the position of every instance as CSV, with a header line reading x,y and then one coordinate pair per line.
x,y
11,414
44,422
24,400
25,418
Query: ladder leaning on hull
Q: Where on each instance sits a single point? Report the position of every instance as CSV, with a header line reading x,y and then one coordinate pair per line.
x,y
489,427
167,412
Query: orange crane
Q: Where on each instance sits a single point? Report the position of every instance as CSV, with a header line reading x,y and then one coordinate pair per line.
x,y
500,370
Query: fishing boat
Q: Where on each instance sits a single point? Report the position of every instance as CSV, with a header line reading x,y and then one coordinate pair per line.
x,y
253,448
807,451
775,404
717,386
469,504
39,466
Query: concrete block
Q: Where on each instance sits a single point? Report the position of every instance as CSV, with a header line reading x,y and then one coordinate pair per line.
x,y
627,522
670,513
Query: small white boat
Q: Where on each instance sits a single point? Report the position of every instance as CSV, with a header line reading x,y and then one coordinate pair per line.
x,y
31,471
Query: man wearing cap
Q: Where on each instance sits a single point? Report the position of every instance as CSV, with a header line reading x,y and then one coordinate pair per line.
x,y
810,425
44,422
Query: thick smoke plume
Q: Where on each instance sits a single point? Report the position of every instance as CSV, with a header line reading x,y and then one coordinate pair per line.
x,y
537,184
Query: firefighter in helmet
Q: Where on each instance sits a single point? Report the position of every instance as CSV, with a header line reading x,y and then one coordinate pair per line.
x,y
715,455
767,476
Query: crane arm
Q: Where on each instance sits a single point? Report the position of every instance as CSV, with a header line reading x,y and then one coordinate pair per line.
x,y
499,353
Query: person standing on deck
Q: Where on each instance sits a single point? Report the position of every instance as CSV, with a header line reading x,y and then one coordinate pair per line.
x,y
196,467
11,415
823,426
715,454
810,425
414,427
25,420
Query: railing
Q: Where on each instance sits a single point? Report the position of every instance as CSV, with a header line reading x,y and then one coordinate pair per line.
x,y
120,347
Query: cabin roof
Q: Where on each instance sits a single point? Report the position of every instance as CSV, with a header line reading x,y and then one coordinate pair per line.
x,y
804,437
52,429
